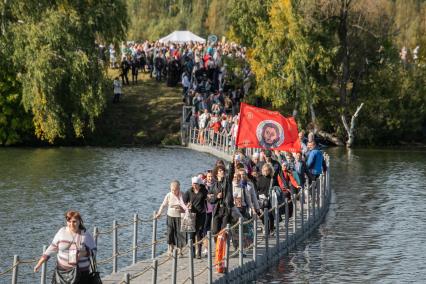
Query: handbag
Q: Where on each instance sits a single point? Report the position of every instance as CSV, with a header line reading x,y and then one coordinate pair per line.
x,y
70,276
187,223
94,277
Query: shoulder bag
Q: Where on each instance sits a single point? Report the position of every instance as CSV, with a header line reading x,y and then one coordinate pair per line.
x,y
94,277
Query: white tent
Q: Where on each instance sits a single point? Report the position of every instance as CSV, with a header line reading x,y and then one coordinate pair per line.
x,y
181,36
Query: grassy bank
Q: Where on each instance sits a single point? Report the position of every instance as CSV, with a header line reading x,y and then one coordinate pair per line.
x,y
148,114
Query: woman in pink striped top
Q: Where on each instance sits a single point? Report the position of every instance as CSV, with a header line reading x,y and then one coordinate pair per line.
x,y
73,246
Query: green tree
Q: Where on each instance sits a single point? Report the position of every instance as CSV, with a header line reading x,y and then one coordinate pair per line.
x,y
285,61
63,79
244,18
15,123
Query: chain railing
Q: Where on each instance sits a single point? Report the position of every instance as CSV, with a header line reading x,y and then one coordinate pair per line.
x,y
247,236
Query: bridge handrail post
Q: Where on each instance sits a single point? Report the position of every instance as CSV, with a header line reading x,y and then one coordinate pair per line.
x,y
154,235
317,197
43,269
209,256
266,230
114,246
293,197
240,241
154,271
126,278
287,211
314,186
308,206
191,260
228,245
135,237
95,235
174,266
302,209
255,238
277,227
15,269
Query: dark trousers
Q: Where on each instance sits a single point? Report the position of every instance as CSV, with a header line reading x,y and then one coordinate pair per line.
x,y
116,98
208,223
174,235
125,78
219,222
135,77
200,220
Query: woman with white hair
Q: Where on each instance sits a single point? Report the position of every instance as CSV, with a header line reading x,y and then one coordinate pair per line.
x,y
175,205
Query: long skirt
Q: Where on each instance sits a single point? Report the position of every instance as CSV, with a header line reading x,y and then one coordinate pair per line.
x,y
174,235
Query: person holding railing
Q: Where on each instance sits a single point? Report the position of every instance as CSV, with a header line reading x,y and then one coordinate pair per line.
x,y
73,246
175,205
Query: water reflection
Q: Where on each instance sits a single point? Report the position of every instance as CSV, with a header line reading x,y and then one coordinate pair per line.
x,y
374,231
38,185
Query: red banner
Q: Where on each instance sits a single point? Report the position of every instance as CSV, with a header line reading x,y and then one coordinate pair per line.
x,y
262,128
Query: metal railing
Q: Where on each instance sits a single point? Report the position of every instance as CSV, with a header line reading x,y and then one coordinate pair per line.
x,y
309,208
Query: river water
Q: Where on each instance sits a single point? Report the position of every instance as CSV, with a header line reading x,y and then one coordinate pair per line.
x,y
375,230
38,185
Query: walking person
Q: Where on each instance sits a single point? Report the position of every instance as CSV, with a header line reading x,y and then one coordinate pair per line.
x,y
125,66
73,246
264,183
195,198
175,205
315,162
135,71
221,195
117,90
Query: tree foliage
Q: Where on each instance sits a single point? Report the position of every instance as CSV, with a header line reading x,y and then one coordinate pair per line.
x,y
57,60
15,123
334,55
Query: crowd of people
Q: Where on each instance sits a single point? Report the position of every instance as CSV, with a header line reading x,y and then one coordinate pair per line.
x,y
217,197
207,80
242,188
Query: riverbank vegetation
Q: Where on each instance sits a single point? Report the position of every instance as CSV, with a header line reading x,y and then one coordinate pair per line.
x,y
346,69
51,73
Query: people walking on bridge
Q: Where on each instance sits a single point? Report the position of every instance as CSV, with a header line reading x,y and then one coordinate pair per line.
x,y
73,246
175,206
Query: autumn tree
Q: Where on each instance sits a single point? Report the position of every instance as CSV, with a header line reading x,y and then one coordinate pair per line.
x,y
55,50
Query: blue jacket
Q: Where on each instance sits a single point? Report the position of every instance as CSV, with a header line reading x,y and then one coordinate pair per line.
x,y
314,162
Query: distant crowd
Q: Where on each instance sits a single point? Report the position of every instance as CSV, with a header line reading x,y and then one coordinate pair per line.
x,y
207,80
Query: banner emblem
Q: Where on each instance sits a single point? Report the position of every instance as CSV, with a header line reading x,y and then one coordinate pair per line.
x,y
270,134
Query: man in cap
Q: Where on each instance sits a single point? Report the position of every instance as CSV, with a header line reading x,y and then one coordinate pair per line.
x,y
195,198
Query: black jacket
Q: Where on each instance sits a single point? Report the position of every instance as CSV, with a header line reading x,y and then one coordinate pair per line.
x,y
227,200
198,200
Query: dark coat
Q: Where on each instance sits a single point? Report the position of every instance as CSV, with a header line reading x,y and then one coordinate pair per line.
x,y
226,203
